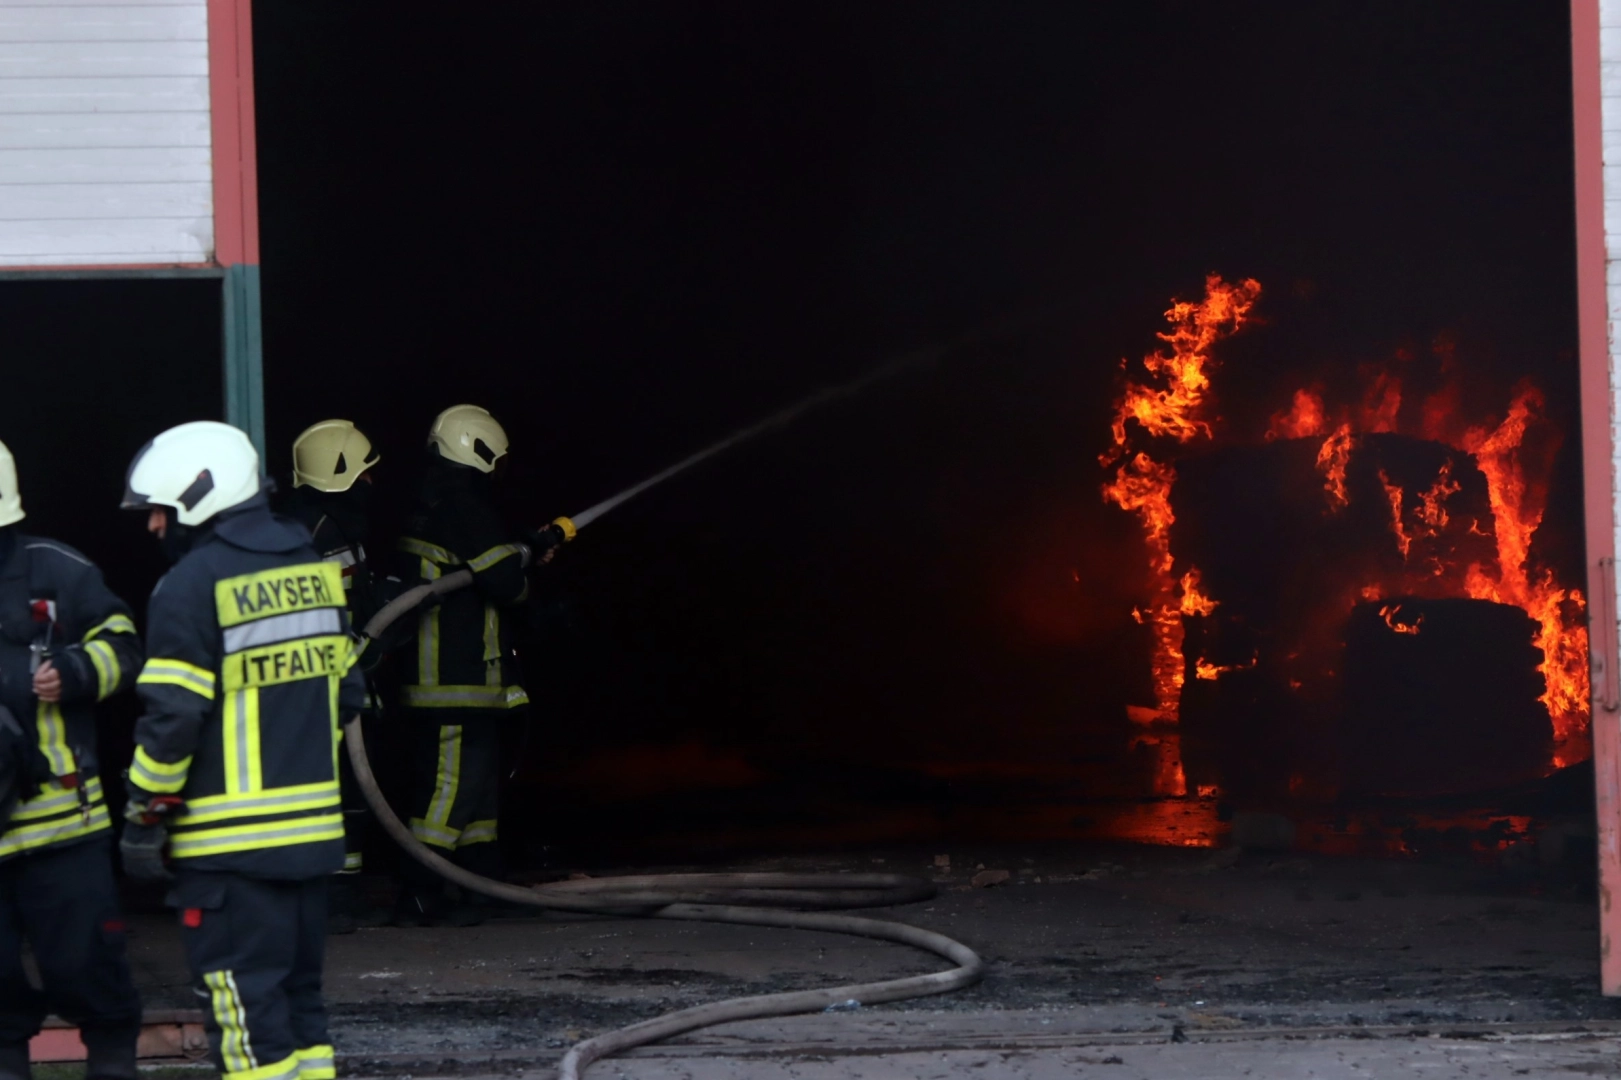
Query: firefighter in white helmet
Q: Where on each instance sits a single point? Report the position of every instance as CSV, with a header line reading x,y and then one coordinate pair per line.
x,y
250,666
331,497
460,681
66,642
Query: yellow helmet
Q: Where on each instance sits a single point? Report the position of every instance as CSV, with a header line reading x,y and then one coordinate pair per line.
x,y
469,435
330,456
11,500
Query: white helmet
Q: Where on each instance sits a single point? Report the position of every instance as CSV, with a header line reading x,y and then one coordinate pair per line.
x,y
198,469
11,500
469,435
330,456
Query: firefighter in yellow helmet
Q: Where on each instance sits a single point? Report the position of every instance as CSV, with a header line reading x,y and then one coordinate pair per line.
x,y
66,642
460,680
331,496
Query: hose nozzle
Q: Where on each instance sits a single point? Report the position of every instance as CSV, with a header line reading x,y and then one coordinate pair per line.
x,y
566,527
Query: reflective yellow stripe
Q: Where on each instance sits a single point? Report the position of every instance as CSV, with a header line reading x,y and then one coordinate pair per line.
x,y
305,830
282,800
477,832
160,777
463,697
449,777
107,670
112,624
492,642
323,656
428,635
240,728
53,798
480,563
70,826
412,546
53,739
280,591
434,835
353,862
236,1049
285,1069
198,680
315,1063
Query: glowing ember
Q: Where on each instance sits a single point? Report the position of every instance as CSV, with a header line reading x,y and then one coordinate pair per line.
x,y
1331,462
1393,494
1169,404
1432,509
1303,420
1389,613
1204,669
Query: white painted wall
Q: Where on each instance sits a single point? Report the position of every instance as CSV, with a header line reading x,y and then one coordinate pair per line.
x,y
104,133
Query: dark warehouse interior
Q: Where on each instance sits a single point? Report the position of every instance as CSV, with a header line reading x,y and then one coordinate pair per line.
x,y
631,228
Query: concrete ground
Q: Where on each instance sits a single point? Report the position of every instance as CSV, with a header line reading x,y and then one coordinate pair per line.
x,y
1120,963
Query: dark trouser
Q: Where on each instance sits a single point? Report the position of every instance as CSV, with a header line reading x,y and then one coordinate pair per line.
x,y
257,946
356,815
64,902
455,787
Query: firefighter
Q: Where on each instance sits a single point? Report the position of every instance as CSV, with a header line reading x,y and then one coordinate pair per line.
x,y
332,485
249,667
66,642
460,678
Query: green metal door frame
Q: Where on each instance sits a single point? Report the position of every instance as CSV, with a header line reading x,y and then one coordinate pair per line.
x,y
244,354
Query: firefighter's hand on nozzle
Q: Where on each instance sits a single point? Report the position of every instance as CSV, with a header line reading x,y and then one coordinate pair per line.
x,y
541,544
144,838
48,683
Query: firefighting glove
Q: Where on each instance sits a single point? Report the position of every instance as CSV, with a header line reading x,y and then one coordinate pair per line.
x,y
141,845
141,848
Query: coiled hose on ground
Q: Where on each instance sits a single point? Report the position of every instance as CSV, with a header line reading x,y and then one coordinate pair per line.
x,y
757,899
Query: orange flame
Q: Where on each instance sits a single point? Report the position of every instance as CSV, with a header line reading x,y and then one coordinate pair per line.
x,y
1432,510
1561,633
1382,403
1332,459
1170,403
1195,602
1303,420
1393,493
1204,669
1389,613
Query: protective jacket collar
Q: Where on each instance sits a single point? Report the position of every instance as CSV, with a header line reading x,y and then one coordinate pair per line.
x,y
252,527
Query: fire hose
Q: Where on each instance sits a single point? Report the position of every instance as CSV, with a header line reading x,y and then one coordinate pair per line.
x,y
749,899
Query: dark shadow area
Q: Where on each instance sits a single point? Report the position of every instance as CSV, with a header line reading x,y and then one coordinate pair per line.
x,y
629,228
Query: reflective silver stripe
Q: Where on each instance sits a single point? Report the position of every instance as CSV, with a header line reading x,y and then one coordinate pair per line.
x,y
433,834
448,697
294,624
45,805
327,827
219,807
483,562
243,758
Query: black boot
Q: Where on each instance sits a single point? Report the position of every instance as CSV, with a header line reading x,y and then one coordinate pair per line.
x,y
14,1062
340,905
110,1052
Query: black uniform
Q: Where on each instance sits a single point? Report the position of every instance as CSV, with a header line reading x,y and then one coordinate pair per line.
x,y
250,666
461,680
337,523
56,876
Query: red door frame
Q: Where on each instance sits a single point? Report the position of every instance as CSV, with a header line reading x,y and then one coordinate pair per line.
x,y
1598,470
